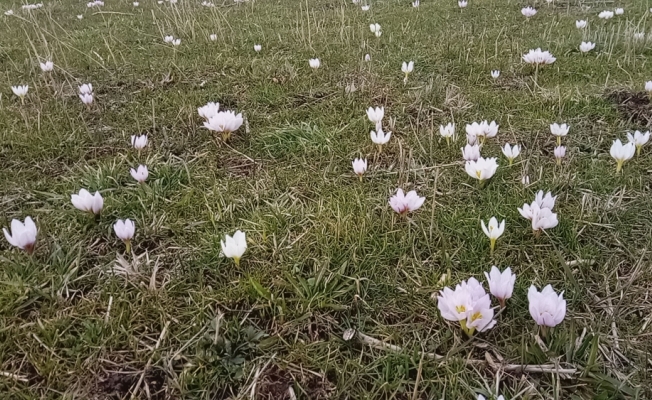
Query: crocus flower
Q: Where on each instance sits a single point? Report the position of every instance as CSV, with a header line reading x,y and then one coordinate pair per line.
x,y
47,66
139,142
20,91
23,235
405,203
257,48
622,152
547,308
365,7
234,247
511,152
212,37
87,202
86,88
462,3
407,68
380,138
488,130
543,218
9,12
469,305
482,169
314,63
559,131
501,284
415,3
538,57
125,231
376,115
224,122
493,231
639,139
176,42
367,57
86,98
136,4
606,14
447,131
639,36
359,167
80,16
525,180
473,131
586,46
495,74
140,174
648,85
560,152
374,28
471,152
580,24
545,200
528,12
209,110
168,39
619,11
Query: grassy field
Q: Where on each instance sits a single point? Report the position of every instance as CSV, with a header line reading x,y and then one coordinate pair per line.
x,y
82,319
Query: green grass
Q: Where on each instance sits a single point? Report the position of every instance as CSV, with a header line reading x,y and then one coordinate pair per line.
x,y
326,252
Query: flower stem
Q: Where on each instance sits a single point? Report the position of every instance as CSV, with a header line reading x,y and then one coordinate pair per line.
x,y
128,245
619,166
558,140
492,246
237,261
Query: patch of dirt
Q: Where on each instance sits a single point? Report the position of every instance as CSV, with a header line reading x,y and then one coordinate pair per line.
x,y
634,107
117,385
317,388
238,166
274,384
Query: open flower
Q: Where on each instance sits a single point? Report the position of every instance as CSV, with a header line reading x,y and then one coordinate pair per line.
x,y
541,200
538,57
405,203
639,139
606,14
20,91
471,152
257,48
407,68
87,202
415,3
139,142
365,7
495,74
559,131
380,138
224,122
560,152
648,84
580,24
314,63
139,174
473,131
469,305
511,152
86,88
374,28
462,3
234,247
482,169
488,129
125,231
622,152
447,131
493,231
542,218
209,110
586,46
501,284
359,167
47,66
547,308
528,12
23,235
619,11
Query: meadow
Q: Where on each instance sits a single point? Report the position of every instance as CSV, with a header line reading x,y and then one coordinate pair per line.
x,y
336,295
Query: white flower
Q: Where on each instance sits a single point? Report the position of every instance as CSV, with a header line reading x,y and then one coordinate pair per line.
x,y
447,131
403,203
314,63
224,122
257,48
462,3
136,4
212,37
606,14
367,57
560,152
493,230
365,8
469,304
528,12
86,98
80,16
543,218
415,3
168,39
125,229
495,74
140,174
87,202
482,169
639,35
86,88
380,138
622,152
9,12
176,42
586,47
525,180
648,86
639,139
209,110
23,235
538,57
139,142
234,247
47,66
374,28
619,11
359,166
511,152
473,131
545,200
471,152
501,285
407,67
580,24
487,130
546,307
20,90
559,131
376,116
